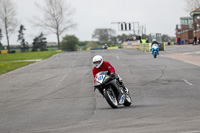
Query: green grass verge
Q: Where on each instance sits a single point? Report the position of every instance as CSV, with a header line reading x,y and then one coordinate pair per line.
x,y
9,66
9,62
26,56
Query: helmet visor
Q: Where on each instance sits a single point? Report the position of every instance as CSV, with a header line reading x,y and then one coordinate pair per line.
x,y
97,63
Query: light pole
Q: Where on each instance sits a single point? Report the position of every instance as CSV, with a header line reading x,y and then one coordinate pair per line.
x,y
197,30
128,26
1,37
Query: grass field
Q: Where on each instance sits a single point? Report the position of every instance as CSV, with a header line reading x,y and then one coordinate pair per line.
x,y
9,62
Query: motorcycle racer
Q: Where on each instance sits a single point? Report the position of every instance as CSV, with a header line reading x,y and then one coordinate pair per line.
x,y
155,45
101,65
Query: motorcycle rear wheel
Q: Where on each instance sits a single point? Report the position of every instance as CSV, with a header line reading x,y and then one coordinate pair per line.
x,y
111,98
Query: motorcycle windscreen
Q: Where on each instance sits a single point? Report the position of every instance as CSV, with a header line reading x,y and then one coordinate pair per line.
x,y
100,77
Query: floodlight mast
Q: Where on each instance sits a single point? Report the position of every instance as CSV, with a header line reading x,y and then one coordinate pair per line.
x,y
128,26
0,35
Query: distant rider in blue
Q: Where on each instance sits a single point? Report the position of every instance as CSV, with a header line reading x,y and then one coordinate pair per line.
x,y
155,45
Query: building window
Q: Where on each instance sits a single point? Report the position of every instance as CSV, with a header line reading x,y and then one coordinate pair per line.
x,y
190,23
185,22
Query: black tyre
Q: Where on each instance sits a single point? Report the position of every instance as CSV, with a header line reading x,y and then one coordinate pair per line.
x,y
111,98
128,100
155,54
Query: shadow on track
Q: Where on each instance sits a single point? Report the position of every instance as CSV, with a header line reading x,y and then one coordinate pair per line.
x,y
130,107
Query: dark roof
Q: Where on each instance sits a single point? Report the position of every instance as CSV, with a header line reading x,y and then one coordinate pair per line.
x,y
186,18
196,11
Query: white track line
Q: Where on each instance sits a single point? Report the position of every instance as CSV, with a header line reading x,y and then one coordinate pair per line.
x,y
186,81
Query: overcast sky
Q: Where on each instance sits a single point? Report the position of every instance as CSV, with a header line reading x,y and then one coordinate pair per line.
x,y
159,16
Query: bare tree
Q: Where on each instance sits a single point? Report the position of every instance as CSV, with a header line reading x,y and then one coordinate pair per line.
x,y
8,19
191,5
103,35
56,17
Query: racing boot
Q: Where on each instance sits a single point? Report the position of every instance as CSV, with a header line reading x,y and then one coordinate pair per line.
x,y
125,89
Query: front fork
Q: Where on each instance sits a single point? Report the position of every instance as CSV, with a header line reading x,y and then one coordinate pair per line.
x,y
154,50
121,97
121,94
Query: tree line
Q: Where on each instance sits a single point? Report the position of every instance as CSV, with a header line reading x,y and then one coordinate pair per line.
x,y
56,19
191,5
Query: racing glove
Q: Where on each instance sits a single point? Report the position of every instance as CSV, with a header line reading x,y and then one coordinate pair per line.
x,y
112,75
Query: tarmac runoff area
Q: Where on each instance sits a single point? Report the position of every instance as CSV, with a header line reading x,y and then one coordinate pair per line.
x,y
195,60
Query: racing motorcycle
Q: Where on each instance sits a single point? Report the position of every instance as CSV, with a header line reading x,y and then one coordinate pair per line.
x,y
111,90
155,50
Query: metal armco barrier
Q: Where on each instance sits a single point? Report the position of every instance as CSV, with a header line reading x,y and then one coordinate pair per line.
x,y
147,47
113,47
4,51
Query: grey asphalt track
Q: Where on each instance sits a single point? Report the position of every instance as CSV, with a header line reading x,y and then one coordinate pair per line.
x,y
56,95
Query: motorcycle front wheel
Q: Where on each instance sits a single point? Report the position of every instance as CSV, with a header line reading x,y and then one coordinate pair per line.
x,y
111,98
155,54
128,100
